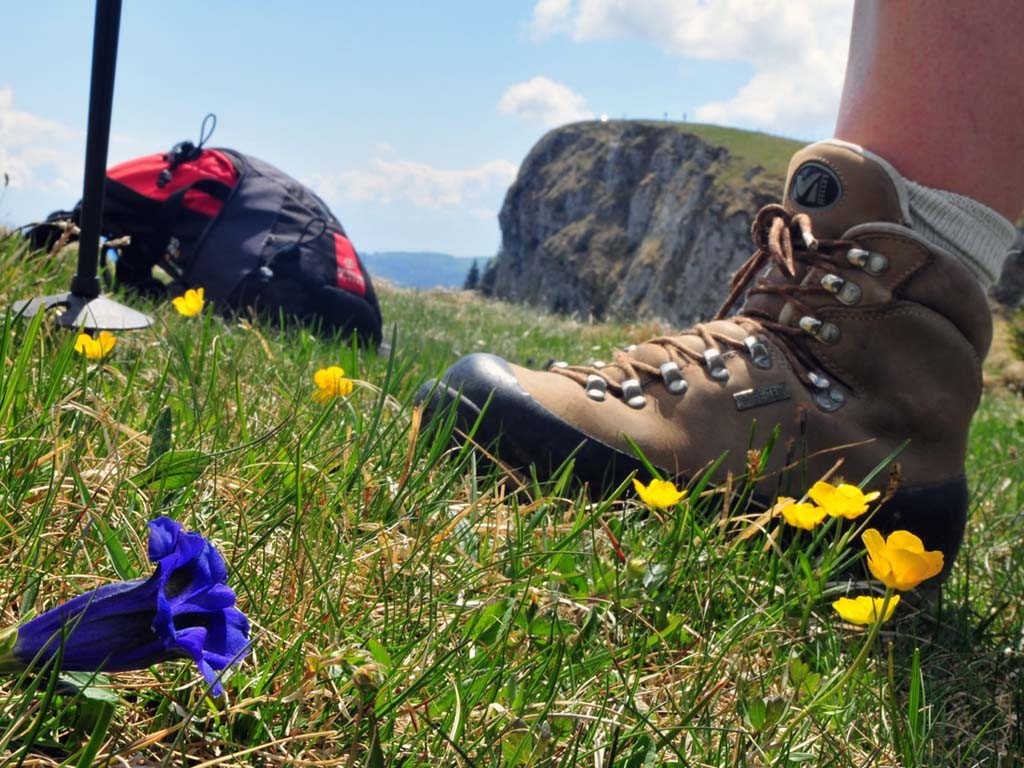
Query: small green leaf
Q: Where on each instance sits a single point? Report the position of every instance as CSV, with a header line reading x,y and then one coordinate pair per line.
x,y
8,661
775,708
759,714
487,626
174,469
755,713
96,707
379,653
86,685
801,757
811,684
798,671
802,678
664,633
657,574
160,439
518,743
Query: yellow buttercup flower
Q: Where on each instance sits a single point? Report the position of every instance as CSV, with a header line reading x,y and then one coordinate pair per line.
x,y
330,383
659,493
900,562
865,609
95,348
842,500
802,515
191,304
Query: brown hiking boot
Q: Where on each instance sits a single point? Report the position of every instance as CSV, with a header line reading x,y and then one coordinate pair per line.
x,y
856,337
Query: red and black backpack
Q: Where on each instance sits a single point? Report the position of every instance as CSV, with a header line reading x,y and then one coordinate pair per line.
x,y
252,237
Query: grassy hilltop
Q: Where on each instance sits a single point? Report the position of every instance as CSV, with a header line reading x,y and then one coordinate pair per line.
x,y
767,154
409,611
756,159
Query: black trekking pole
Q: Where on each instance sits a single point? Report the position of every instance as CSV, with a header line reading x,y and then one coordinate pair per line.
x,y
83,306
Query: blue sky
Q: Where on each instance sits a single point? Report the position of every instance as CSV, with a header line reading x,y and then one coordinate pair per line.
x,y
410,118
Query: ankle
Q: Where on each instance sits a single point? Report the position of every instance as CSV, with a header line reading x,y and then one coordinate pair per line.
x,y
976,235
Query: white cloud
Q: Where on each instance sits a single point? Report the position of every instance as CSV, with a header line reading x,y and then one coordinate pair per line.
x,y
37,153
393,180
20,128
798,50
544,100
551,17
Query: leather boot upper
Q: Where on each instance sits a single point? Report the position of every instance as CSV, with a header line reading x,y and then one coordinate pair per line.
x,y
845,336
856,336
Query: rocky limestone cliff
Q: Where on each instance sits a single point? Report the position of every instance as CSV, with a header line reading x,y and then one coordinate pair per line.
x,y
630,220
634,220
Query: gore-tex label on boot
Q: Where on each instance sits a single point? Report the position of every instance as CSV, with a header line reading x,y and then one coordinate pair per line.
x,y
766,395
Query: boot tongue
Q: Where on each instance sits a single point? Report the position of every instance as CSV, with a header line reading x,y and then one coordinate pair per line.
x,y
840,185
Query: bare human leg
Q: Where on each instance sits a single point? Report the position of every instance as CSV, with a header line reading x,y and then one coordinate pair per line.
x,y
937,88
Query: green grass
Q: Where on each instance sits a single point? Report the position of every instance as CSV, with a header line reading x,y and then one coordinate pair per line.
x,y
408,610
747,150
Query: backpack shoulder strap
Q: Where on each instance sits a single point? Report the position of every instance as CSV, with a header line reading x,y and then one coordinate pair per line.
x,y
171,209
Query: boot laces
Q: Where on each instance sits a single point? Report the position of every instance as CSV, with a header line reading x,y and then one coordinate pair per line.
x,y
786,248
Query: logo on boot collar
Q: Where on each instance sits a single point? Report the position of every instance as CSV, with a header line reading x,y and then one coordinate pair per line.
x,y
815,185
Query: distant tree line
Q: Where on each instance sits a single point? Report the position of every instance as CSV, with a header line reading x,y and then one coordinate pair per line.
x,y
472,281
480,280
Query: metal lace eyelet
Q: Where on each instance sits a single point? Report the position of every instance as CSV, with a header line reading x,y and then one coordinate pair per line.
x,y
877,264
558,364
825,332
633,394
858,257
845,291
596,387
716,365
673,378
759,354
818,381
829,400
871,262
827,397
598,364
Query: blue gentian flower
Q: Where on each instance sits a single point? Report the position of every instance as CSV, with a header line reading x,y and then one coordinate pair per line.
x,y
184,610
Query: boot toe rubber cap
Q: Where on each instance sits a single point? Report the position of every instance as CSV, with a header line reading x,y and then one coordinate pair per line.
x,y
523,431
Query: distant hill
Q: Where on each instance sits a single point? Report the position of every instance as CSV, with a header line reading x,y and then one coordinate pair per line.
x,y
634,219
421,269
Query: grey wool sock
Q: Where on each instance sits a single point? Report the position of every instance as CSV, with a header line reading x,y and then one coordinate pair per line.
x,y
972,232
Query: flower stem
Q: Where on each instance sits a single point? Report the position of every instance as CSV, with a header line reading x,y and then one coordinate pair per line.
x,y
857,662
